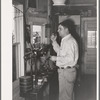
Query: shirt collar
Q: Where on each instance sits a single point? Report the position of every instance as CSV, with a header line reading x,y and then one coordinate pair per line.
x,y
66,37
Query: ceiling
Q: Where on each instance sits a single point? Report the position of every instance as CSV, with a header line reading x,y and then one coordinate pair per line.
x,y
73,6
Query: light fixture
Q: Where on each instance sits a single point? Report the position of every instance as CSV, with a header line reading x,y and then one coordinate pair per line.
x,y
58,2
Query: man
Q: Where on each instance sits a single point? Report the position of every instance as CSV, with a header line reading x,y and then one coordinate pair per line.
x,y
66,59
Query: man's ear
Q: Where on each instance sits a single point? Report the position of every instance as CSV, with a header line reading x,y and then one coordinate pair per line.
x,y
66,29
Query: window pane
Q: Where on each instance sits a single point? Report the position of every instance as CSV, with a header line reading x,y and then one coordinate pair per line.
x,y
91,41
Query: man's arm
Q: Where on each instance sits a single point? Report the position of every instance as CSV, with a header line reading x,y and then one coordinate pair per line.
x,y
56,46
54,43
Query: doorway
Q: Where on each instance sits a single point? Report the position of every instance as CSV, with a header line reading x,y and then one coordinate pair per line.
x,y
90,46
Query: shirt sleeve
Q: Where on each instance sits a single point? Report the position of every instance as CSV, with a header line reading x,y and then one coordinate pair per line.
x,y
68,55
56,46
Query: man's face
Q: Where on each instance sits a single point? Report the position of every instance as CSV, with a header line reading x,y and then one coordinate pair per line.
x,y
62,31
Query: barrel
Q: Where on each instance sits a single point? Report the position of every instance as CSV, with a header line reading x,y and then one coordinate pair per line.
x,y
26,83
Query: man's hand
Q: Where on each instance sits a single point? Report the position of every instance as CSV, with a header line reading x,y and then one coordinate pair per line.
x,y
53,58
53,38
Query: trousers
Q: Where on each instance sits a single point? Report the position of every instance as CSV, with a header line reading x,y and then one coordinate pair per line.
x,y
66,83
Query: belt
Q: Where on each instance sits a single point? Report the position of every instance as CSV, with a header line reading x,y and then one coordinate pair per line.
x,y
68,67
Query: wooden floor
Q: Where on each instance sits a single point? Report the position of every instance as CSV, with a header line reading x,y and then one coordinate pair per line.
x,y
85,89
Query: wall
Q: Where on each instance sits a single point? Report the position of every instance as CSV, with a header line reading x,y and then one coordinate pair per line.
x,y
76,18
36,20
82,1
16,91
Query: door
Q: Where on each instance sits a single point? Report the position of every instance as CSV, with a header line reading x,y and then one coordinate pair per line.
x,y
90,49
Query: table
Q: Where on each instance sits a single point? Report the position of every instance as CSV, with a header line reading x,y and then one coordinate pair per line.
x,y
36,93
39,91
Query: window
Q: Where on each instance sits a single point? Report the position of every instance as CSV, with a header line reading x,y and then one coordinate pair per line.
x,y
36,34
18,42
91,41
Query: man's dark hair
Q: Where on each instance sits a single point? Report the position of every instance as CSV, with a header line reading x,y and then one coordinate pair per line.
x,y
69,23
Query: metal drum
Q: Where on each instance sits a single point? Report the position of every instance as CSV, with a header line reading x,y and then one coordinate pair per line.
x,y
26,83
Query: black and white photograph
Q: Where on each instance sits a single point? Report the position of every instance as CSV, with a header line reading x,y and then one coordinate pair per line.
x,y
53,50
